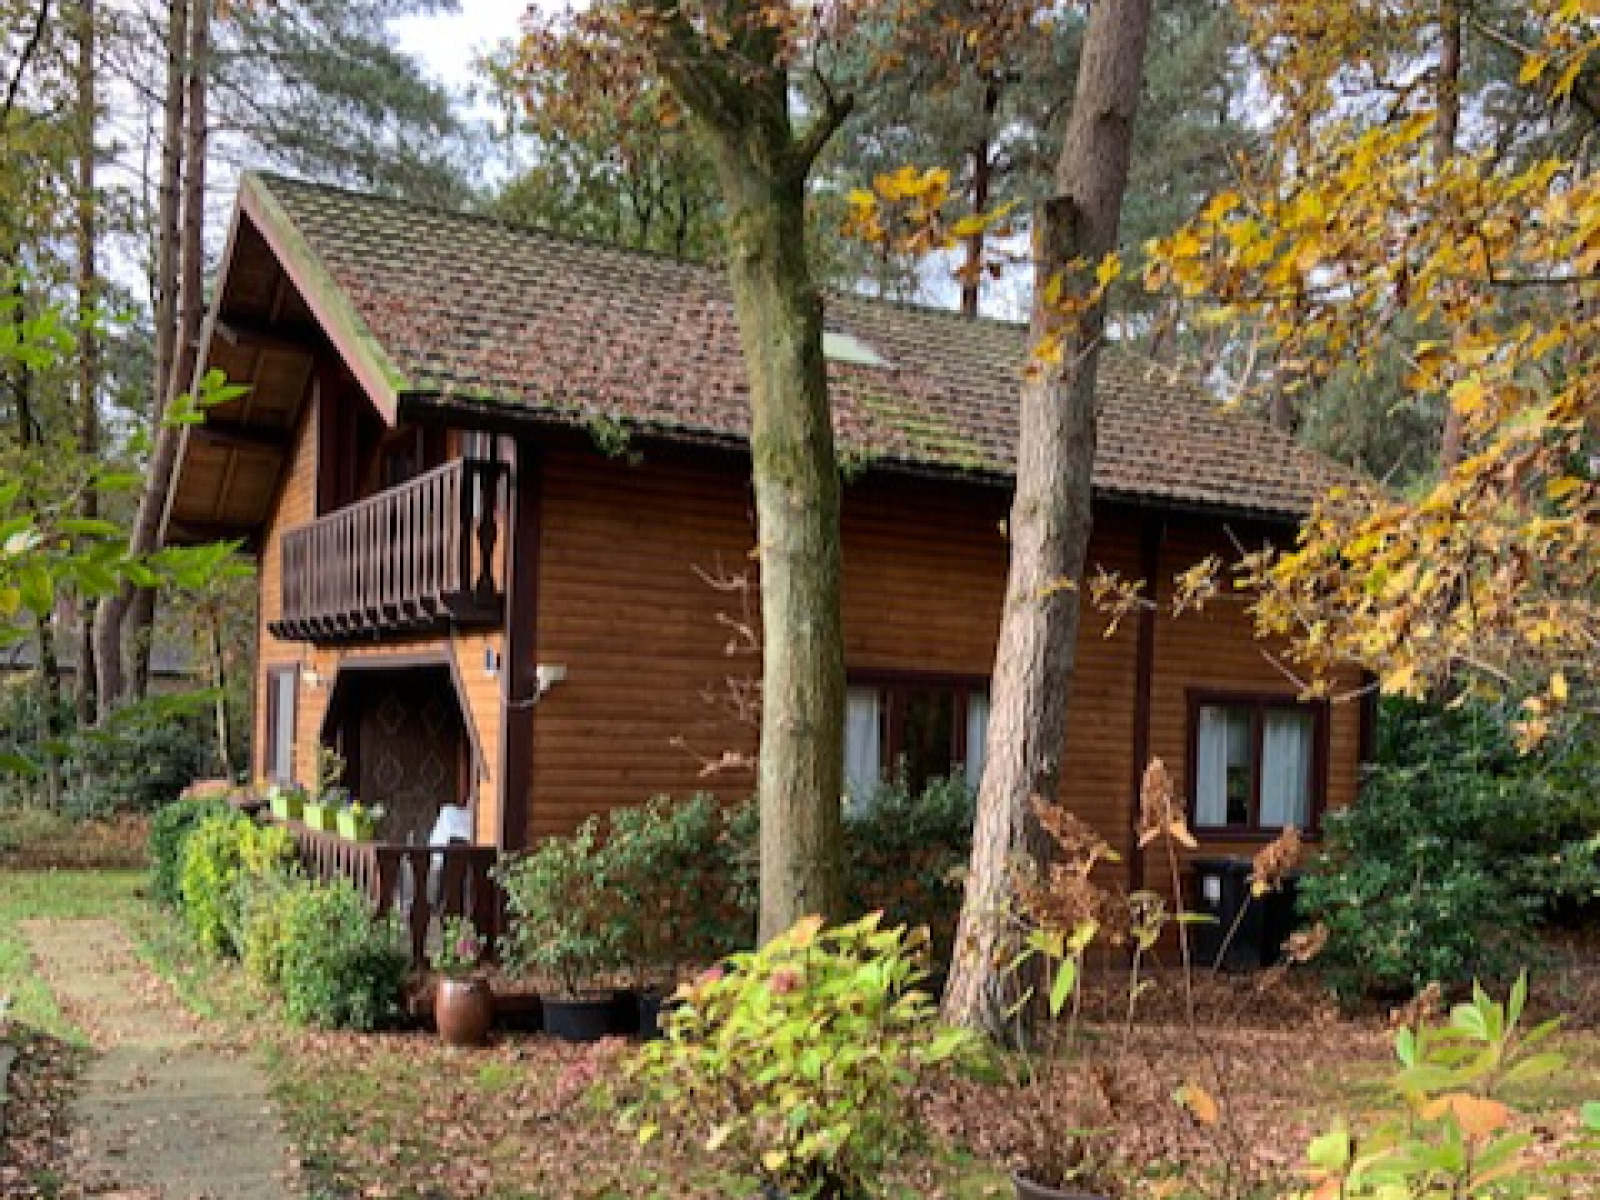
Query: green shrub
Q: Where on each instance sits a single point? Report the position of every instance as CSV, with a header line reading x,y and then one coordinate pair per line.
x,y
1453,1134
221,854
264,905
1458,848
797,1063
674,898
906,854
340,968
169,833
564,914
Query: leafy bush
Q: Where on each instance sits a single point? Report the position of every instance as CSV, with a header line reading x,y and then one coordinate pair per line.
x,y
340,968
563,913
906,855
674,899
140,760
265,903
1458,847
169,833
221,854
797,1062
1453,1136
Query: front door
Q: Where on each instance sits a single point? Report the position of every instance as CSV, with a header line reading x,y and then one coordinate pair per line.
x,y
414,753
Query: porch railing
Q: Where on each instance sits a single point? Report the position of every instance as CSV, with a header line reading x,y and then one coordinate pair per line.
x,y
408,559
417,885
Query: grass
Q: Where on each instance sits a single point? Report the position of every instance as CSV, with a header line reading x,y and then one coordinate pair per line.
x,y
53,895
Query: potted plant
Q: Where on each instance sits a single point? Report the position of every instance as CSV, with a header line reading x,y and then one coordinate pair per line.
x,y
463,1005
287,801
738,1073
559,927
320,809
358,822
662,867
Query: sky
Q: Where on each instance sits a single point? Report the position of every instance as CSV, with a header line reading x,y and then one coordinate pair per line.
x,y
448,44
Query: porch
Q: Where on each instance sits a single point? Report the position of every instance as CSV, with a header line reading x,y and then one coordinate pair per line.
x,y
415,558
419,886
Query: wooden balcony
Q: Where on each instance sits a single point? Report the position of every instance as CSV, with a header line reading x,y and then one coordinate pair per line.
x,y
414,559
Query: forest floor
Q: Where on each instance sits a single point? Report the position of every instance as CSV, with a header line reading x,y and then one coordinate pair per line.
x,y
396,1115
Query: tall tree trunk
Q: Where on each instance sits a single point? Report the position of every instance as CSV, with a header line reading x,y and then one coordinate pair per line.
x,y
1447,123
86,679
801,768
739,98
1050,514
982,182
124,628
47,689
219,681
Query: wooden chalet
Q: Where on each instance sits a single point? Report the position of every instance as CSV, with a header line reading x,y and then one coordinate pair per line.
x,y
492,475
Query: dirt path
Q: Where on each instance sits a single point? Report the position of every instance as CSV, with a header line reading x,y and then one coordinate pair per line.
x,y
166,1111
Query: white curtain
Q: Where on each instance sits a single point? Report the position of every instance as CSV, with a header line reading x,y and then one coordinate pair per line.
x,y
863,751
977,736
1286,747
1211,768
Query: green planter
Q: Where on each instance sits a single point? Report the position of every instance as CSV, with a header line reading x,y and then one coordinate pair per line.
x,y
288,806
320,816
357,827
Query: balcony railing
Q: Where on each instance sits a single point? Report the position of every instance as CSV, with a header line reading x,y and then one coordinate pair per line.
x,y
416,557
419,886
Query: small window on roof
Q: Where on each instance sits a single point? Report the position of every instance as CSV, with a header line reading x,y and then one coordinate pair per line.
x,y
847,348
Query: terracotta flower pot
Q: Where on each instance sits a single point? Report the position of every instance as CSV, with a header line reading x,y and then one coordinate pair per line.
x,y
1027,1189
463,1010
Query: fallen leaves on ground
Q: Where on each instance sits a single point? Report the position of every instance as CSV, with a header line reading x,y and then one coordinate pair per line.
x,y
38,1098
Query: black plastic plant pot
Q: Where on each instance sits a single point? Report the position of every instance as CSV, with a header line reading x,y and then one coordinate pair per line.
x,y
585,1019
648,1010
1027,1189
625,1011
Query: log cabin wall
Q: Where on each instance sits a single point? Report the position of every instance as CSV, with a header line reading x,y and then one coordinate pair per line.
x,y
1216,651
295,505
622,606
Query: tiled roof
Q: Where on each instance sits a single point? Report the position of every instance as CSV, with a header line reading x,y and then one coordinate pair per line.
x,y
478,310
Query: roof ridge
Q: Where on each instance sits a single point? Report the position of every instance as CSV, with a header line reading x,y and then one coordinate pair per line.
x,y
271,178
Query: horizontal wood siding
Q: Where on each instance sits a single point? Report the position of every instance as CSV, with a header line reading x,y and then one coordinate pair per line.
x,y
1216,650
295,505
621,605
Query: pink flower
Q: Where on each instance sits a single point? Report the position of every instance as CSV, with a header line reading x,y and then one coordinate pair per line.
x,y
785,981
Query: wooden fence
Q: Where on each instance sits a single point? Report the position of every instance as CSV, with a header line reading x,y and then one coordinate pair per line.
x,y
418,885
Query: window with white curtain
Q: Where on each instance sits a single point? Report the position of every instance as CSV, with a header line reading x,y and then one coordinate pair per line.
x,y
1254,764
918,729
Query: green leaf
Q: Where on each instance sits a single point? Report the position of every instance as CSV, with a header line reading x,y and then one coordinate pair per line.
x,y
1589,1114
1061,989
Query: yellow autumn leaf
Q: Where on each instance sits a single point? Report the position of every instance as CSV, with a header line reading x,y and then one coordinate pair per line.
x,y
1109,270
1558,688
1199,1103
1478,1116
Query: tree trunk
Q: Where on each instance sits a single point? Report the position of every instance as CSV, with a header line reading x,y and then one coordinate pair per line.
x,y
141,604
219,681
113,616
739,98
1448,121
801,767
1050,515
982,181
84,682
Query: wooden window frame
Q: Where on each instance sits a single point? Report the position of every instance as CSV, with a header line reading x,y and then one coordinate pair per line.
x,y
1258,703
891,717
270,728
